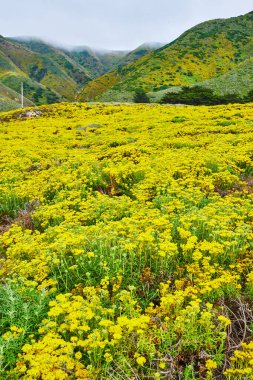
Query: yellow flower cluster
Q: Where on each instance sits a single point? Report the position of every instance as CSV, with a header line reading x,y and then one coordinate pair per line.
x,y
241,363
52,358
135,221
77,325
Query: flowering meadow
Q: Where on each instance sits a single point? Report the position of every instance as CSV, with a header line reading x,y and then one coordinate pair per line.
x,y
126,242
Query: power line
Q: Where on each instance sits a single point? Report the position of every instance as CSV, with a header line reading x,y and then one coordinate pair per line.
x,y
22,95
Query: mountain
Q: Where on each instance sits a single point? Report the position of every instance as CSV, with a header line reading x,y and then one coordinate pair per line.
x,y
69,66
99,62
52,74
208,50
140,51
216,54
96,62
88,59
111,59
46,65
16,66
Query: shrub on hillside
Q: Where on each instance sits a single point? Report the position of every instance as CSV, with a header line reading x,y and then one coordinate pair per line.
x,y
198,95
249,97
141,96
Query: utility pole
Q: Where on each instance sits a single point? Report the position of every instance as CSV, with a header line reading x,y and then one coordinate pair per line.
x,y
22,95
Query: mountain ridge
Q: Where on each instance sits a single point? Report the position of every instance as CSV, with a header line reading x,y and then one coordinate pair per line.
x,y
205,51
49,73
216,54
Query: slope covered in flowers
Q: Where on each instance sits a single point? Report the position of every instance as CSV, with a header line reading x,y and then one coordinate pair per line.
x,y
126,242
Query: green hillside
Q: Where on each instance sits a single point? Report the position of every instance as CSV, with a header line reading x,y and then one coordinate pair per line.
x,y
10,99
98,62
216,54
238,81
66,64
12,75
206,51
112,59
140,52
47,73
46,65
88,59
52,74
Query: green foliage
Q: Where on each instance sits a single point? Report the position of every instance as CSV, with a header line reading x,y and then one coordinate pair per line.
x,y
47,73
249,96
141,96
238,80
178,119
22,310
10,204
198,95
10,99
34,91
36,73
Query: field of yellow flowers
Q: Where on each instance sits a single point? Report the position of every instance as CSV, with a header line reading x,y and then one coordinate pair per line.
x,y
126,242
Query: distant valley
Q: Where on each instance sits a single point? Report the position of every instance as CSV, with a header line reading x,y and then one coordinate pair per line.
x,y
50,74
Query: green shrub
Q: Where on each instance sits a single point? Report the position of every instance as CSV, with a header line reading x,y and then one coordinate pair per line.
x,y
198,95
141,96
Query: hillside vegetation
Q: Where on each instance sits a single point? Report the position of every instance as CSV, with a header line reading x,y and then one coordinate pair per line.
x,y
10,99
126,242
47,73
238,81
52,74
99,62
207,51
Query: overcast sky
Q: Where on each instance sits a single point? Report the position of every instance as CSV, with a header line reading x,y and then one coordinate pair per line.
x,y
111,24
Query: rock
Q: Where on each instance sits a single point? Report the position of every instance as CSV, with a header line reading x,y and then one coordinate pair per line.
x,y
30,114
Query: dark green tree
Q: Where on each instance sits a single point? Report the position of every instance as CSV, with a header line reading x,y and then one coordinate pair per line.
x,y
198,95
191,95
38,94
141,96
230,98
249,96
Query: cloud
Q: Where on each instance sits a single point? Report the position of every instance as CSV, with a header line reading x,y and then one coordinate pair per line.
x,y
112,24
